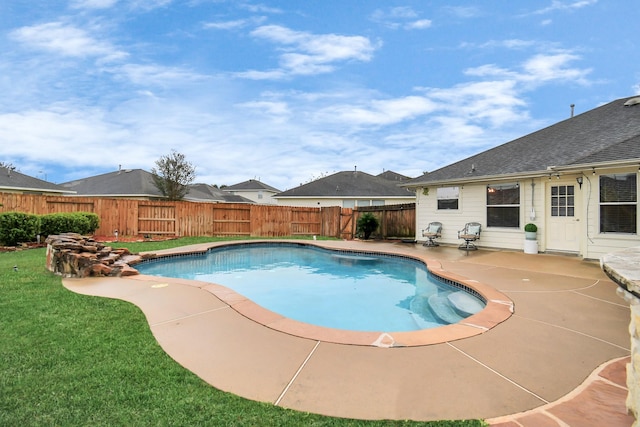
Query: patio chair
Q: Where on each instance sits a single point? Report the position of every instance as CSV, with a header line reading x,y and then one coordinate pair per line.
x,y
432,232
470,233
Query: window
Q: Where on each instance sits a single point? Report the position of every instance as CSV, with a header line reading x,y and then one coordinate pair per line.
x,y
562,200
503,205
448,197
349,203
376,202
618,203
259,194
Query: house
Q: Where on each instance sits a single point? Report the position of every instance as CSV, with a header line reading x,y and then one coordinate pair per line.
x,y
577,180
12,181
139,184
347,189
254,190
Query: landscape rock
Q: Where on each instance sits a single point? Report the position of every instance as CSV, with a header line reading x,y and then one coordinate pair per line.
x,y
74,255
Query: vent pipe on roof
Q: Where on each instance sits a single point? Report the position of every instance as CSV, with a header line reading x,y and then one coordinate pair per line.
x,y
572,107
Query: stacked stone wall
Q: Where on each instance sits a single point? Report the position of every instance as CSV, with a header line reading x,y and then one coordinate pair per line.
x,y
624,268
74,255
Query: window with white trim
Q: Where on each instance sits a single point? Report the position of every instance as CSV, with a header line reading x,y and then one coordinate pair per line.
x,y
448,197
619,203
503,205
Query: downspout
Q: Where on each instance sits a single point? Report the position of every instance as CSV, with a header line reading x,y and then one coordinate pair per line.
x,y
532,213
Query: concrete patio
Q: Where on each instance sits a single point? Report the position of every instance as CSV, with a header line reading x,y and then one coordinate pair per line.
x,y
547,362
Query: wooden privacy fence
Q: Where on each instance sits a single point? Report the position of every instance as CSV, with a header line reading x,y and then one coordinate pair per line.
x,y
396,221
143,217
132,217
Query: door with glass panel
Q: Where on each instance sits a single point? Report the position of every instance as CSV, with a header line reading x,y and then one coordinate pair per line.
x,y
563,221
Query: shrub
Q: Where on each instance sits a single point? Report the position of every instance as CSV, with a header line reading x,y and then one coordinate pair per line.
x,y
18,227
367,224
531,227
85,223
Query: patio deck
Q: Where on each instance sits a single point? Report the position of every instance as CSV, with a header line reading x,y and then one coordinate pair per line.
x,y
548,361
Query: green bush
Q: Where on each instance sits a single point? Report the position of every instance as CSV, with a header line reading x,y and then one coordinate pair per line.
x,y
531,227
85,223
18,227
367,224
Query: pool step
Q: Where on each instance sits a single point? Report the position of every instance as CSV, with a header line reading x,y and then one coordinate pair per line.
x,y
443,310
464,303
421,313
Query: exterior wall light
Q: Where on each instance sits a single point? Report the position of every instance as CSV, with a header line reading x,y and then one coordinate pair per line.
x,y
579,181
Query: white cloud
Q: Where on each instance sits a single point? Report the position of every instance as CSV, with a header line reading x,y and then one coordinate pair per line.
x,y
66,40
378,112
159,75
565,6
400,17
465,12
93,4
554,67
235,24
305,53
419,24
516,44
259,8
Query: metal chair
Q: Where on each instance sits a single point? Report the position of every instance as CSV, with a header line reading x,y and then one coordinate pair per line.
x,y
432,232
470,233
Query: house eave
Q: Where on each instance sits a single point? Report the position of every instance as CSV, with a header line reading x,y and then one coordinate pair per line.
x,y
595,165
408,196
477,179
37,190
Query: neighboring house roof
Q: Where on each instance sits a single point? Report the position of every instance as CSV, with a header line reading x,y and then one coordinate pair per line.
x,y
121,183
393,176
209,193
348,184
10,180
139,183
251,185
607,134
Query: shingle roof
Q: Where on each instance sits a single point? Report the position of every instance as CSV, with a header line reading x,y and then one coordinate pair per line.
x,y
139,183
251,185
348,184
393,176
605,134
208,193
16,181
125,182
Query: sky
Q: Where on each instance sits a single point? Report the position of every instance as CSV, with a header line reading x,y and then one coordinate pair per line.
x,y
287,92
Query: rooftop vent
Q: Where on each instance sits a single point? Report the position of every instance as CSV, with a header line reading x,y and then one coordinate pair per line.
x,y
632,101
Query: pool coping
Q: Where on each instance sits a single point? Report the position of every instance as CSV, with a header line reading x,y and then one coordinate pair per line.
x,y
498,309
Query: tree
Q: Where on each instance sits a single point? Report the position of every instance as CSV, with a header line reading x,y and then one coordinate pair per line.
x,y
172,175
7,165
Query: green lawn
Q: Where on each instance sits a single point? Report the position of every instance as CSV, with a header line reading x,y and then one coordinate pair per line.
x,y
74,360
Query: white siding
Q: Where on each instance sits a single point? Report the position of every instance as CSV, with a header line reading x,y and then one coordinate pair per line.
x,y
321,202
472,207
596,244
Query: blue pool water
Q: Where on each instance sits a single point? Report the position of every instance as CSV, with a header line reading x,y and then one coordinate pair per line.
x,y
335,289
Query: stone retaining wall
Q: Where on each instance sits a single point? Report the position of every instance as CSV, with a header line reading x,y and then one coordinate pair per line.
x,y
624,268
74,255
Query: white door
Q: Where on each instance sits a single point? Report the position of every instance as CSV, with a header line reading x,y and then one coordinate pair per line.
x,y
563,222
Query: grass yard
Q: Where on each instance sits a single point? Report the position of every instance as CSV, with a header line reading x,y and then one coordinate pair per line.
x,y
74,360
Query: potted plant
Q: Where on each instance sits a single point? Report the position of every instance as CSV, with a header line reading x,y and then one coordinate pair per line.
x,y
530,231
367,224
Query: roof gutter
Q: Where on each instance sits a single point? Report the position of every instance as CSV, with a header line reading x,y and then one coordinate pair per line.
x,y
595,165
484,178
38,190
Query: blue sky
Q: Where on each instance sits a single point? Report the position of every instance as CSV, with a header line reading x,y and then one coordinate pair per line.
x,y
290,91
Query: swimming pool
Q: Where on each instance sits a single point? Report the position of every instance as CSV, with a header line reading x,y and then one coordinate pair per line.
x,y
335,289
